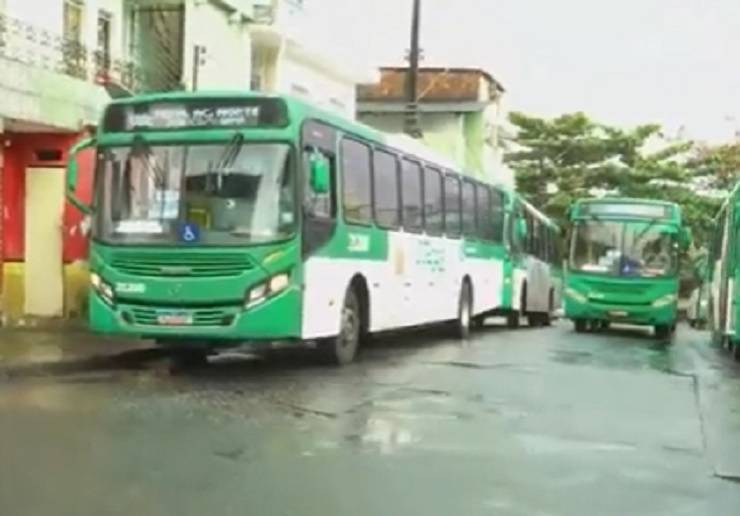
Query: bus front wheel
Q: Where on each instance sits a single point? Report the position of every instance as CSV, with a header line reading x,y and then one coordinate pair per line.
x,y
342,349
663,331
581,325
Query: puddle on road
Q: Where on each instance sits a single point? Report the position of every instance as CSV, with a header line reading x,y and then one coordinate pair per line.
x,y
547,444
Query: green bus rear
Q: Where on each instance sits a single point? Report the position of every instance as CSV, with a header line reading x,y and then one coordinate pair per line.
x,y
623,265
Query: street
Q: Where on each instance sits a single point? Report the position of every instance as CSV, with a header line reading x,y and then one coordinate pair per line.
x,y
527,422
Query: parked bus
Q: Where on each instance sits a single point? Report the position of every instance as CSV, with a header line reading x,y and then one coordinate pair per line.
x,y
624,264
722,275
533,269
223,218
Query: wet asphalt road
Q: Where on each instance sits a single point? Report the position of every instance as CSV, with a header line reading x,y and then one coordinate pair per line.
x,y
528,422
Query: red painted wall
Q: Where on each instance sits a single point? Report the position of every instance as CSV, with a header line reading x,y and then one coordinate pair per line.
x,y
20,153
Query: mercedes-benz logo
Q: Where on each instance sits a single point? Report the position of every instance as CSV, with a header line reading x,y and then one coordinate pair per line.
x,y
176,290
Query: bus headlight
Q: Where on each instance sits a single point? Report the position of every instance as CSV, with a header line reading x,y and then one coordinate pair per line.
x,y
664,300
575,295
262,291
102,287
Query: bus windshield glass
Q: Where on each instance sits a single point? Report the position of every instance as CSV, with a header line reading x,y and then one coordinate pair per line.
x,y
233,193
624,248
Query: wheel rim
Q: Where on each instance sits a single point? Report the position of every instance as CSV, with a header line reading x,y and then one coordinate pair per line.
x,y
465,311
350,328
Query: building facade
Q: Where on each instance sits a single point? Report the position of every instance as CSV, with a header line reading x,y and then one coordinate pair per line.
x,y
62,64
55,62
459,113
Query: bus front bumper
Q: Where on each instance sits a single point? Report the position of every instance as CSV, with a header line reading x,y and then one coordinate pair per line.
x,y
277,318
648,315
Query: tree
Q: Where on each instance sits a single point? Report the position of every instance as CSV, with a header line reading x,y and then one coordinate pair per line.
x,y
717,164
574,157
559,160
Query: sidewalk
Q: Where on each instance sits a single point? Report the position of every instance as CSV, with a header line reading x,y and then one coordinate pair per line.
x,y
37,350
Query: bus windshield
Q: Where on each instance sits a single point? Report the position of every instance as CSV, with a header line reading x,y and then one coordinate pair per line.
x,y
234,193
624,248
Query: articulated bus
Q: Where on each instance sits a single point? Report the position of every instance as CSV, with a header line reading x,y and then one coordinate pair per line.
x,y
624,264
229,217
534,268
722,275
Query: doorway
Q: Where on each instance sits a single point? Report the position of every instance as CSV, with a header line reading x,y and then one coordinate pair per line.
x,y
44,205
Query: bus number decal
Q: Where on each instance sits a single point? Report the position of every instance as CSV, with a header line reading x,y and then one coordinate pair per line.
x,y
358,243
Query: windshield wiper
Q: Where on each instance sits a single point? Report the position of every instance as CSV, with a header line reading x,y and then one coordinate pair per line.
x,y
227,158
154,170
650,226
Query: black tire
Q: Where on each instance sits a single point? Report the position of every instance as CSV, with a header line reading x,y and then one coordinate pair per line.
x,y
663,331
604,325
735,351
461,326
513,319
342,349
535,320
547,318
580,325
188,359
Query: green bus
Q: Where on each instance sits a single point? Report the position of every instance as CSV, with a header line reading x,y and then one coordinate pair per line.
x,y
533,270
624,263
722,274
223,218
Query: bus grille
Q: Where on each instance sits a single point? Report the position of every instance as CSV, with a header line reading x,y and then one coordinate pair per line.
x,y
618,288
182,265
200,318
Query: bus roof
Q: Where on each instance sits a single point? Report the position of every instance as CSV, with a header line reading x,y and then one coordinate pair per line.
x,y
302,109
671,210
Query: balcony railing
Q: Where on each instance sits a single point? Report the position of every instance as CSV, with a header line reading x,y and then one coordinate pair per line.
x,y
267,12
25,43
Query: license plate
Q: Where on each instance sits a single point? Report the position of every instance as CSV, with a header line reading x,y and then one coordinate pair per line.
x,y
617,313
175,319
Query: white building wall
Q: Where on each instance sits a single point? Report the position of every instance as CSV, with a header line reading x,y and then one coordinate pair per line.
x,y
299,78
31,88
226,63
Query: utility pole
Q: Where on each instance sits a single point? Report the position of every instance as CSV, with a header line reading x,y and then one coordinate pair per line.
x,y
412,122
199,51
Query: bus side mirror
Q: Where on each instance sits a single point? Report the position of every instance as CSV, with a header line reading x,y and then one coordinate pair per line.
x,y
319,170
685,238
521,229
71,175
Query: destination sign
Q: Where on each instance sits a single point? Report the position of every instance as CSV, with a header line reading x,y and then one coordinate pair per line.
x,y
195,114
652,211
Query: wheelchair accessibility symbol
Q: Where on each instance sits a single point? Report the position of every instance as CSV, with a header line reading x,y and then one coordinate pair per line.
x,y
189,233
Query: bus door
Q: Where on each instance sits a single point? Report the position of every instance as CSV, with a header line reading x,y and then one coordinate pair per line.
x,y
720,279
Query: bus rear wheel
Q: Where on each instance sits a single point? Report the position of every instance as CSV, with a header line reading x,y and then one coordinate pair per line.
x,y
581,325
342,349
461,326
512,319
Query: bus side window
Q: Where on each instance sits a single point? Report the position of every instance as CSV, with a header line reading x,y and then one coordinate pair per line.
x,y
319,205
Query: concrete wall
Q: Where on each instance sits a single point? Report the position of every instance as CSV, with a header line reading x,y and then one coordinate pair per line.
x,y
443,132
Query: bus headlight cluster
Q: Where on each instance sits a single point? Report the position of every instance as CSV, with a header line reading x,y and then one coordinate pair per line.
x,y
264,290
575,295
664,300
102,287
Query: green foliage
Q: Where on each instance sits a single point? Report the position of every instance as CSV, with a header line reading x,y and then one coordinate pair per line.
x,y
719,164
559,160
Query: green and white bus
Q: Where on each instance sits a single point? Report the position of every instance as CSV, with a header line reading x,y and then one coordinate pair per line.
x,y
722,275
220,218
534,266
624,263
